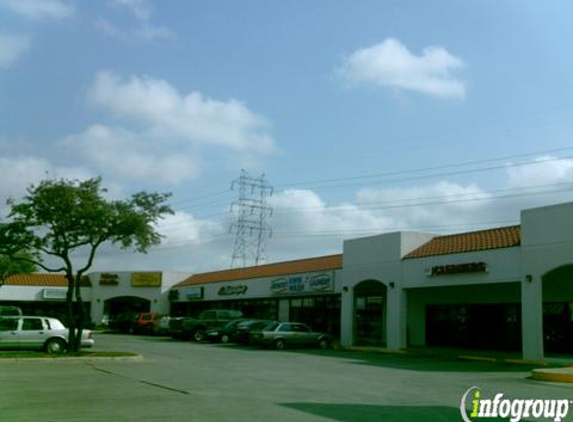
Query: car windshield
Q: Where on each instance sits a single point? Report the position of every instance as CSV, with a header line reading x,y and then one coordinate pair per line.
x,y
233,324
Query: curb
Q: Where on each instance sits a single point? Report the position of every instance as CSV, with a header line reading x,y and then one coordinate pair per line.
x,y
136,358
553,375
478,358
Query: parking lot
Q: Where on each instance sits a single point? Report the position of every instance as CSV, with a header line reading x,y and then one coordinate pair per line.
x,y
187,381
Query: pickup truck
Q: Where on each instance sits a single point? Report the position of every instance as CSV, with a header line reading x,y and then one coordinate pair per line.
x,y
195,328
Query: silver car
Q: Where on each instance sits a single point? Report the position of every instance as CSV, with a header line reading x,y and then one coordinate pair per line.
x,y
33,332
281,334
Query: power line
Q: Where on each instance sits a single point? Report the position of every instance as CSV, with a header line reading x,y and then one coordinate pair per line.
x,y
387,176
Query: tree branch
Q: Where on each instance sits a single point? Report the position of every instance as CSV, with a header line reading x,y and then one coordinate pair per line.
x,y
92,255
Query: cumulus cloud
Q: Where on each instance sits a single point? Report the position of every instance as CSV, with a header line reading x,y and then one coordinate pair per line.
x,y
145,29
391,64
163,134
157,105
546,170
130,155
144,32
39,9
12,47
20,171
182,229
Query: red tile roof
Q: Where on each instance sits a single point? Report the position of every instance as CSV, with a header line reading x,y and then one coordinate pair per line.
x,y
330,262
48,280
503,237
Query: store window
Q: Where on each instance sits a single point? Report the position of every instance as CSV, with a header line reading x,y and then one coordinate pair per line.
x,y
321,313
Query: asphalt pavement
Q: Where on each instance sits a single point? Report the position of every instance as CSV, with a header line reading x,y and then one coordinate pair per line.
x,y
187,381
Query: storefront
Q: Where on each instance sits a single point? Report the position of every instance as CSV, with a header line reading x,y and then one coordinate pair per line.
x,y
106,295
506,288
302,291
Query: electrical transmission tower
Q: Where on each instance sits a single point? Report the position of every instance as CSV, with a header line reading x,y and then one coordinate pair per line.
x,y
251,228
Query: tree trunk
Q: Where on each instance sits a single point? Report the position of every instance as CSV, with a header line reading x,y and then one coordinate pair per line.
x,y
70,312
81,315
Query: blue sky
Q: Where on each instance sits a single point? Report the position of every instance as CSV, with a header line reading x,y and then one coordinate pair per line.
x,y
366,116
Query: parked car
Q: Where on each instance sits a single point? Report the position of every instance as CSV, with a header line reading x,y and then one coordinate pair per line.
x,y
162,327
223,334
241,332
145,322
33,332
283,334
123,321
196,328
10,311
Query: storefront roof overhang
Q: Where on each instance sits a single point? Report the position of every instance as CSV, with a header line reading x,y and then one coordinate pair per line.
x,y
330,262
502,237
36,279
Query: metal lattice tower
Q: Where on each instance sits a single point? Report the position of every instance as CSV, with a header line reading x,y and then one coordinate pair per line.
x,y
251,228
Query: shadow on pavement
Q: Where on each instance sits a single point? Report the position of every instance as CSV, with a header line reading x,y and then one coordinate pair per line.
x,y
375,413
418,362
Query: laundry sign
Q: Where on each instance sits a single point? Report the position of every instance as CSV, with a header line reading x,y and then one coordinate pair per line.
x,y
303,283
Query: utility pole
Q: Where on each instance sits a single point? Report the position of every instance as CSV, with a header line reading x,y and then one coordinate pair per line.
x,y
251,228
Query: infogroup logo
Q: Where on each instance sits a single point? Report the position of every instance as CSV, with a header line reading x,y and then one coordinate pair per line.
x,y
474,407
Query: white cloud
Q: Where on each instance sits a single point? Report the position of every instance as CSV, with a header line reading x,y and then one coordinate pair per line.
x,y
12,47
182,229
132,155
39,9
546,171
144,32
19,172
145,29
140,8
391,64
159,107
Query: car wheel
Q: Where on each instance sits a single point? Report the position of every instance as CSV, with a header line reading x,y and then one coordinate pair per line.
x,y
279,344
323,343
225,338
55,346
199,335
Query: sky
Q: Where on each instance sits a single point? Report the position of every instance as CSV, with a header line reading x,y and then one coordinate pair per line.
x,y
365,117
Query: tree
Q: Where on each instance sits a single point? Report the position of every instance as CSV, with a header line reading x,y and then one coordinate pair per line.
x,y
13,266
60,219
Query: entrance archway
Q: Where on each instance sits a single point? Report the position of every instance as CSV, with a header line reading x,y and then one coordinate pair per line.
x,y
370,313
558,310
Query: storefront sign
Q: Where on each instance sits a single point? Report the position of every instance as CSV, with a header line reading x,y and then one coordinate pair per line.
x,y
108,279
323,282
146,279
55,294
193,293
471,267
233,290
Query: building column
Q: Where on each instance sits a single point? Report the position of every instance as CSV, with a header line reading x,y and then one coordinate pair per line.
x,y
347,318
284,309
532,317
396,322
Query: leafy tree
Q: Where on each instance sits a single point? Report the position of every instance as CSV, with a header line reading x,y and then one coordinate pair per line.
x,y
11,266
60,219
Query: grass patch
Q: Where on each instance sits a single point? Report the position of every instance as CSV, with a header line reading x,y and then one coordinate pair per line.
x,y
26,354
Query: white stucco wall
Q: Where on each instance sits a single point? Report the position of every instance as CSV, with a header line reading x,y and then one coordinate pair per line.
x,y
158,296
546,244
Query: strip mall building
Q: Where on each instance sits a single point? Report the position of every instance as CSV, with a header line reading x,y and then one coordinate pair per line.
x,y
504,288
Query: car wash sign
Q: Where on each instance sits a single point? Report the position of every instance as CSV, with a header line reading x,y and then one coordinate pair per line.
x,y
303,283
